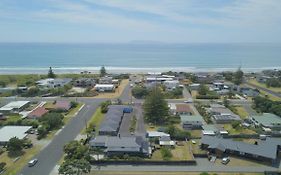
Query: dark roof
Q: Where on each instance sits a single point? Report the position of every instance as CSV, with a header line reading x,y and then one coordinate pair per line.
x,y
265,148
113,118
122,144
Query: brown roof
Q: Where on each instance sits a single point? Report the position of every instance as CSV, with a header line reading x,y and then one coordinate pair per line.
x,y
38,112
63,105
183,108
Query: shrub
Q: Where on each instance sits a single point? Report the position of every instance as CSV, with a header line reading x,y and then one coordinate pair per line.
x,y
166,153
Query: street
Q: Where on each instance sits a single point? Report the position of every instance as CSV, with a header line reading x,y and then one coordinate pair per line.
x,y
51,154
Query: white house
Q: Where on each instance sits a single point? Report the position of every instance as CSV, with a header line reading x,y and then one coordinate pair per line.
x,y
14,107
53,83
171,84
104,87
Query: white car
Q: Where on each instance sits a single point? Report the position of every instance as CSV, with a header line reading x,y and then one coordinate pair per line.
x,y
188,101
32,162
225,160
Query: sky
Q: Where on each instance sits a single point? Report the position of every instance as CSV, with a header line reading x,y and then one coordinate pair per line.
x,y
115,21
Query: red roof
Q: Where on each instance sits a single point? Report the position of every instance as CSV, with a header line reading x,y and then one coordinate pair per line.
x,y
63,105
38,112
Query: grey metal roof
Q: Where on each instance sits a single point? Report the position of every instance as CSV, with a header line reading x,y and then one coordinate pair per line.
x,y
113,118
266,148
122,144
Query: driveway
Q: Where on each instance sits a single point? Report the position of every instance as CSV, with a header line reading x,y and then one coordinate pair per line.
x,y
140,128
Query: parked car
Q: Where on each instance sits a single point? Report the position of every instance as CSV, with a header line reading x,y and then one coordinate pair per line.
x,y
32,162
225,160
212,159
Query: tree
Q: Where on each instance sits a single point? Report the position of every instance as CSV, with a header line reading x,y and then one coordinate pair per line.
x,y
156,108
238,77
225,102
51,74
75,150
52,120
139,91
203,90
102,71
77,159
75,167
42,132
15,146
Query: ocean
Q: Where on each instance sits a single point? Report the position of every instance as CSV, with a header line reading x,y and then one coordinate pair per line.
x,y
134,57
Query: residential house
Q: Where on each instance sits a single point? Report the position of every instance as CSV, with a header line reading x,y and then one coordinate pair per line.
x,y
14,107
63,105
84,82
166,141
183,109
112,120
53,82
264,150
250,92
105,80
190,122
210,130
267,120
221,114
104,87
8,132
37,113
117,145
262,78
194,86
156,134
170,85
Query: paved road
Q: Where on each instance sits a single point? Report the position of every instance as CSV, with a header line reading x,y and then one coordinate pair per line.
x,y
264,89
51,154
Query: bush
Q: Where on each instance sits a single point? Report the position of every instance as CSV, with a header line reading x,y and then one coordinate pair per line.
x,y
177,134
139,92
2,166
207,97
104,106
166,153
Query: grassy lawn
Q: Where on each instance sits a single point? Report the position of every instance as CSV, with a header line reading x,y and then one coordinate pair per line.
x,y
95,120
162,173
71,113
156,155
117,92
182,152
49,105
196,147
241,112
194,94
14,167
179,153
274,89
234,131
269,96
196,133
235,161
